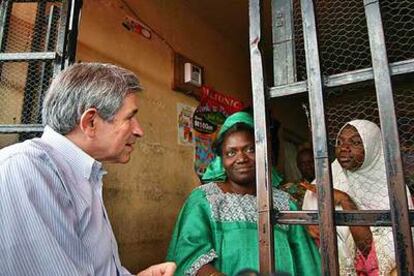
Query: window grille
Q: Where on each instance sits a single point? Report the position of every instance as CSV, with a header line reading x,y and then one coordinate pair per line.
x,y
37,40
342,56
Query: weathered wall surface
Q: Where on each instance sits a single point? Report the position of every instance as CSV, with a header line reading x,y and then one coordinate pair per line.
x,y
144,196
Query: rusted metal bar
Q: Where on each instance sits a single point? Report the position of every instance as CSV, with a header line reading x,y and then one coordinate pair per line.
x,y
320,147
20,128
33,1
284,63
31,56
46,67
342,79
73,31
33,81
263,181
62,37
403,241
360,217
5,12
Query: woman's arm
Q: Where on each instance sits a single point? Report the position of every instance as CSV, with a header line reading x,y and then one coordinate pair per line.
x,y
209,270
192,245
362,235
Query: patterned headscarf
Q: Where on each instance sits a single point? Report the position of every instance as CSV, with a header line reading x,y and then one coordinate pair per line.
x,y
215,171
367,185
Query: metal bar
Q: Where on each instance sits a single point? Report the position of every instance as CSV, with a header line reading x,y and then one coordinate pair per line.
x,y
5,12
348,78
18,57
263,181
9,129
35,1
46,66
402,67
288,89
62,37
403,242
362,75
33,71
361,218
320,148
284,63
73,31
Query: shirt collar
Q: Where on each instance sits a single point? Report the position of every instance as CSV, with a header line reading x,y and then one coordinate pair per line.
x,y
80,160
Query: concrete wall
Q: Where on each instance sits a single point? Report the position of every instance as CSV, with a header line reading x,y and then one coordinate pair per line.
x,y
144,196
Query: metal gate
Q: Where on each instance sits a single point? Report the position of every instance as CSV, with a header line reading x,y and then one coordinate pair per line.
x,y
37,40
356,45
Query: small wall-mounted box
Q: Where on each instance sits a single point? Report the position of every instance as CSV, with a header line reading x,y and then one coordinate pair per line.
x,y
192,74
188,76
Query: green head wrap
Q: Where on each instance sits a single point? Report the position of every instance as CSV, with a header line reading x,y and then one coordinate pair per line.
x,y
215,170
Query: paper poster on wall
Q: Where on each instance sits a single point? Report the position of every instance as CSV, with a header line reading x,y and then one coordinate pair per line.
x,y
185,124
213,110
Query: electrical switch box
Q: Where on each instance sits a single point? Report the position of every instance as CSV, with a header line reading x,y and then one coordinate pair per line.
x,y
192,74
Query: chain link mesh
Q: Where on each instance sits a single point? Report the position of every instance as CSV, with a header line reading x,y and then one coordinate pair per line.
x,y
398,20
343,35
344,46
347,105
29,27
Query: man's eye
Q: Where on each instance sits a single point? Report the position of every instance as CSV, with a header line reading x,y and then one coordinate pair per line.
x,y
230,153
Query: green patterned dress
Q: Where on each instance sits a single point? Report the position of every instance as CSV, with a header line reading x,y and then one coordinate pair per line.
x,y
221,229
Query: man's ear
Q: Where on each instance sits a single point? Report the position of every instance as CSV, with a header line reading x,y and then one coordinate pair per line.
x,y
88,122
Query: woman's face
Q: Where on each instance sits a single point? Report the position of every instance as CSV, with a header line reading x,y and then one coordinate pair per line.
x,y
349,149
239,157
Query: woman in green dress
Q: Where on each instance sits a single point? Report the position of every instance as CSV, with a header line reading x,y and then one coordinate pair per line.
x,y
216,230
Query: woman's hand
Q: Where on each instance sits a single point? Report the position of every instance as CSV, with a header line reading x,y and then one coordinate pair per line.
x,y
163,269
313,231
340,198
362,234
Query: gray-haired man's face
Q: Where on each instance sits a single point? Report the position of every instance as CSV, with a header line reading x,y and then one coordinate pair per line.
x,y
116,139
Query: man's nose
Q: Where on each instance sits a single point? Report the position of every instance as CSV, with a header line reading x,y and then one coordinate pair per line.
x,y
137,130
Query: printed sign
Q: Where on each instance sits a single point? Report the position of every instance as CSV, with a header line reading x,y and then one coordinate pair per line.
x,y
185,124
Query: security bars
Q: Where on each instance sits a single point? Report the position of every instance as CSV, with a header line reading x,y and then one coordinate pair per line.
x,y
37,40
296,57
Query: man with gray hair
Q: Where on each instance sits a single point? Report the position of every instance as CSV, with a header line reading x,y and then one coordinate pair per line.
x,y
53,220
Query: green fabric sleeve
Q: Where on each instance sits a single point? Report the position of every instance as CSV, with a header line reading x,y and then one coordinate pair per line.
x,y
277,178
191,243
306,253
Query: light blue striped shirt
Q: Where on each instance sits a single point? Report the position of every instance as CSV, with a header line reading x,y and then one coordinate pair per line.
x,y
52,217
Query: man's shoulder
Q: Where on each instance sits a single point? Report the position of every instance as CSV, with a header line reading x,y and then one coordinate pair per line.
x,y
24,151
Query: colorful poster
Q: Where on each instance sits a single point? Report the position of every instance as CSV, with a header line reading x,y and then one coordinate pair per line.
x,y
214,108
185,124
